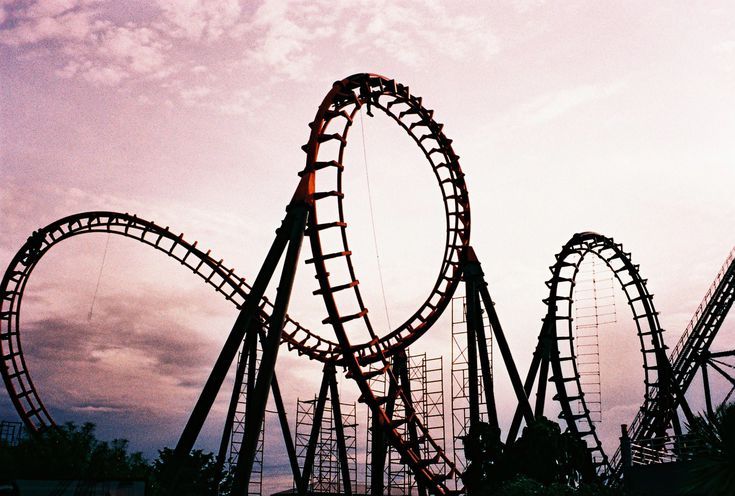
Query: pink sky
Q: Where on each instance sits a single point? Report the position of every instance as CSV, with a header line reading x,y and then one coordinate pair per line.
x,y
568,116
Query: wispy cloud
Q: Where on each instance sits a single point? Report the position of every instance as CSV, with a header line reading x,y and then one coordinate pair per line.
x,y
551,106
279,41
287,35
198,19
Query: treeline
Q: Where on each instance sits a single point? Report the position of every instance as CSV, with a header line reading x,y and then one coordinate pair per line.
x,y
544,461
72,452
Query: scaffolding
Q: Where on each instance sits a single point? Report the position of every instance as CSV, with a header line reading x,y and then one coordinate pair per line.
x,y
426,378
594,307
255,486
11,433
326,470
461,376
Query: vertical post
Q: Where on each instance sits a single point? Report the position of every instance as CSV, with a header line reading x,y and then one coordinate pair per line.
x,y
707,392
315,429
256,407
543,378
287,439
626,452
377,462
339,428
471,313
487,374
410,410
236,391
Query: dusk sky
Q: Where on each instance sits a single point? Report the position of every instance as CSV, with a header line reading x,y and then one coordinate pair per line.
x,y
615,117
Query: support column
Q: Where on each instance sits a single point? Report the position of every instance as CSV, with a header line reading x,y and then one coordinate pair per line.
x,y
339,428
256,407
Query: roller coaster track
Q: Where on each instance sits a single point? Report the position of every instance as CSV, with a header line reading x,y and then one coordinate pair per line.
x,y
427,459
556,340
317,210
348,315
214,273
696,340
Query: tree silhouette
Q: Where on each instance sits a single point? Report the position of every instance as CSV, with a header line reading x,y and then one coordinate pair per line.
x,y
199,475
713,469
543,461
71,452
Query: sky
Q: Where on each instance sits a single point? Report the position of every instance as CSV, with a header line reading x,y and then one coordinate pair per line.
x,y
567,116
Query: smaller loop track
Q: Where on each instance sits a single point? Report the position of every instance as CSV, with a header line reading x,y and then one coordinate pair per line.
x,y
559,319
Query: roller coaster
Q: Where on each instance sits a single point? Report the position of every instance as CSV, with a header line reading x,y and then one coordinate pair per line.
x,y
317,211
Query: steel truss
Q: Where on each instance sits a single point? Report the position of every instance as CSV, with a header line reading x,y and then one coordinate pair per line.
x,y
717,361
327,474
426,384
248,362
460,388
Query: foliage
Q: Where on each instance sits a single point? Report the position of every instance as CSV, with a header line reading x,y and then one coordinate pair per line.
x,y
71,452
713,470
543,461
199,475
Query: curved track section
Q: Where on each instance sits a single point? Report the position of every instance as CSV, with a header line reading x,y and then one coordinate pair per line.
x,y
559,317
15,373
332,259
328,228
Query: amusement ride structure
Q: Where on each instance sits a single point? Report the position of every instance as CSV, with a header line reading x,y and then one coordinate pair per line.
x,y
401,430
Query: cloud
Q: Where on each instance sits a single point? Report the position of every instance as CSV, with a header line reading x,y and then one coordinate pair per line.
x,y
163,47
548,107
724,47
199,19
551,106
286,35
71,26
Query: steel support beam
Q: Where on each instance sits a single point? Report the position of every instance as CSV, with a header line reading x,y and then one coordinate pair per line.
x,y
315,429
339,429
255,413
287,439
504,349
707,392
249,311
236,390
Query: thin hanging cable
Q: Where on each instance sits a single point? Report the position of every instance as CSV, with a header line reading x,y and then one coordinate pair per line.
x,y
372,219
99,278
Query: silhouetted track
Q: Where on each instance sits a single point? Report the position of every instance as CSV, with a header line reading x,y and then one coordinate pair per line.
x,y
366,352
17,378
559,326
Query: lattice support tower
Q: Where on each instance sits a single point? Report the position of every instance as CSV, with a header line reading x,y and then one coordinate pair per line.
x,y
326,472
239,420
426,376
460,378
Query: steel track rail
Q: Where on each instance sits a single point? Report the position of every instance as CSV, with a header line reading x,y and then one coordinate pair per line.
x,y
348,314
684,357
565,374
14,370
